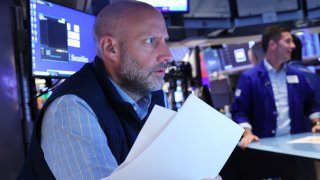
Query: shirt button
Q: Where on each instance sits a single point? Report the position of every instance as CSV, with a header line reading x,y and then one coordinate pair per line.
x,y
273,131
274,112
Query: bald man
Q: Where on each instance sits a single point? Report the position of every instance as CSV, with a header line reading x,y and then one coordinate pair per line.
x,y
90,122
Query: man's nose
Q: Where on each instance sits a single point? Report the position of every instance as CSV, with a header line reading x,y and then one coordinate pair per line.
x,y
293,46
165,53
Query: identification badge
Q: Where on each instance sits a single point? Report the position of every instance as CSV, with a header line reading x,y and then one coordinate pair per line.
x,y
293,79
238,92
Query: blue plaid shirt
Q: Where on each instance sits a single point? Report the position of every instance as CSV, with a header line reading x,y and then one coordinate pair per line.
x,y
74,145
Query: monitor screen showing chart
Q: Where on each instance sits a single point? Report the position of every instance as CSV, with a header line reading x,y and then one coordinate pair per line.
x,y
61,39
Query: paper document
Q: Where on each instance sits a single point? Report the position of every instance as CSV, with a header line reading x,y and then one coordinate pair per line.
x,y
308,139
157,120
193,143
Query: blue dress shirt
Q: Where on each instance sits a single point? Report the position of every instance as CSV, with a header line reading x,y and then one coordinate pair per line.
x,y
280,92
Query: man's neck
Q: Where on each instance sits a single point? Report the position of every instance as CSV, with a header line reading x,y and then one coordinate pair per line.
x,y
275,62
135,96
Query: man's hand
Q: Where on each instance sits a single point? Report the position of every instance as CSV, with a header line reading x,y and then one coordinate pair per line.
x,y
247,138
316,126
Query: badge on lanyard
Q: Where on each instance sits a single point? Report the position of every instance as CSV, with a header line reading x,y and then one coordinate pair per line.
x,y
293,79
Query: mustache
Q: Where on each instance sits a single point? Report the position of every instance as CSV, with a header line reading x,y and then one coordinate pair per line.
x,y
161,65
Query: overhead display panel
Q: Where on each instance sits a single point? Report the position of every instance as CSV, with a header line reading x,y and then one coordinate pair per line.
x,y
209,8
252,8
313,4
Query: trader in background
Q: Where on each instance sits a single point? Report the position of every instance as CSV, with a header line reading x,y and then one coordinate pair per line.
x,y
273,98
296,61
256,53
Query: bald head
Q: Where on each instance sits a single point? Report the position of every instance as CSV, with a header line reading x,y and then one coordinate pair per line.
x,y
115,19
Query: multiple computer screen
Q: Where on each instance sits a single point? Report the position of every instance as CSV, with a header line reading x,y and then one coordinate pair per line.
x,y
233,57
61,39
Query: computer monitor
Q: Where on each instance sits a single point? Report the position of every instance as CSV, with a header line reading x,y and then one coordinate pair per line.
x,y
212,60
235,56
169,6
180,53
310,44
61,39
313,4
253,8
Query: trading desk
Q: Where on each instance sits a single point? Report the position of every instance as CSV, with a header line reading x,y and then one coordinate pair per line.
x,y
275,158
281,145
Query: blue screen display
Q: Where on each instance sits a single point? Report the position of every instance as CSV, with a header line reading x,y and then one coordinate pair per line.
x,y
234,56
310,44
212,59
61,39
169,5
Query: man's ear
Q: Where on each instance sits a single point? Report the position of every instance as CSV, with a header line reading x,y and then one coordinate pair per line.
x,y
272,44
108,47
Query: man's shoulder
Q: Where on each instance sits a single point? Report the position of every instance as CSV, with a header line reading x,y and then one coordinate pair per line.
x,y
291,70
68,98
304,77
69,103
252,72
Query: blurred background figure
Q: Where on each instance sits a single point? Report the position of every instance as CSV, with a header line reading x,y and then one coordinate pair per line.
x,y
256,53
273,98
296,61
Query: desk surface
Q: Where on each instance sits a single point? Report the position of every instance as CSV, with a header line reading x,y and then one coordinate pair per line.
x,y
280,145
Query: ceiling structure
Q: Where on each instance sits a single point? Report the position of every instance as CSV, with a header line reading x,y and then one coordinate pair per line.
x,y
225,18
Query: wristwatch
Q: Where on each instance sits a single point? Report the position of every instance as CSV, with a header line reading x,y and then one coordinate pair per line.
x,y
316,123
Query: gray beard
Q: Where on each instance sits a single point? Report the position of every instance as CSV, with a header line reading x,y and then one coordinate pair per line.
x,y
135,79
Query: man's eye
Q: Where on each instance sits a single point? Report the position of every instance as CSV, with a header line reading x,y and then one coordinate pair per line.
x,y
150,41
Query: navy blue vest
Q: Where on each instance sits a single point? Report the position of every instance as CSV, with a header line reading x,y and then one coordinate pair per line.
x,y
117,118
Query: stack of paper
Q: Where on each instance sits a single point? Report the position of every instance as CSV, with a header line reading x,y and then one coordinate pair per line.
x,y
193,143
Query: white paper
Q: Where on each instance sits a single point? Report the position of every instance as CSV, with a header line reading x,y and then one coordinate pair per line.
x,y
308,139
157,120
194,144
